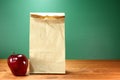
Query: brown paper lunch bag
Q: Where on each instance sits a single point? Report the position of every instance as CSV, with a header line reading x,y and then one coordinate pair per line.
x,y
47,43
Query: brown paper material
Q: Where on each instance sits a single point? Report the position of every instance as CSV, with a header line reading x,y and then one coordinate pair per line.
x,y
47,43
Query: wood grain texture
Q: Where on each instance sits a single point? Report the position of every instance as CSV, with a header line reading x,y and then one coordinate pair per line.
x,y
75,70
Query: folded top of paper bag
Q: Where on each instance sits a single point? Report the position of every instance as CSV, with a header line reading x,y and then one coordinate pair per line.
x,y
49,14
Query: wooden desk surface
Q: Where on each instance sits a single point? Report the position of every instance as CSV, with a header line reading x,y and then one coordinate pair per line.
x,y
75,70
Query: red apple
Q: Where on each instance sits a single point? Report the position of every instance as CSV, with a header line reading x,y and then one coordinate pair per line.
x,y
18,64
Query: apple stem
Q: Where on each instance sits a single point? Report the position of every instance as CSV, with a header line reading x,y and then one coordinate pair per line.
x,y
14,53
